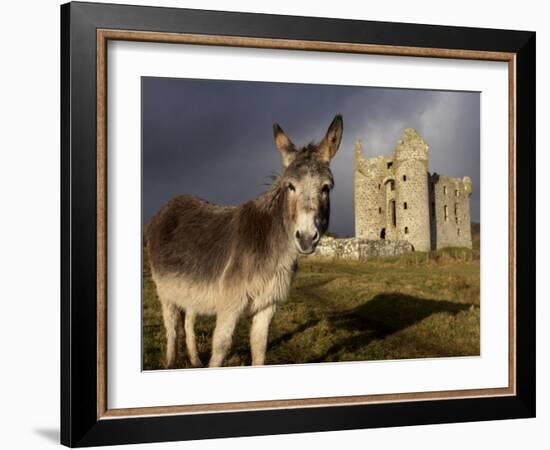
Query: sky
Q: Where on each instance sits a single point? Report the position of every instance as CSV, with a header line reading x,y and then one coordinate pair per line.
x,y
214,138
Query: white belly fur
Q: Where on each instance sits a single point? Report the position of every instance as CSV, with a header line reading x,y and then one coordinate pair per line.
x,y
209,298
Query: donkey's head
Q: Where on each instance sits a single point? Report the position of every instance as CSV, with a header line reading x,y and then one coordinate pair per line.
x,y
307,181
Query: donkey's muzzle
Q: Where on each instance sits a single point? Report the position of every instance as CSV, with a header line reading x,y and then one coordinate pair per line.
x,y
307,241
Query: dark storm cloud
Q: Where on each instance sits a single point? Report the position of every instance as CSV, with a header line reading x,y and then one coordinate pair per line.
x,y
214,139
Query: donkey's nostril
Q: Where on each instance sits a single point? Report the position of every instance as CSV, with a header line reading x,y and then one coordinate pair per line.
x,y
316,237
297,235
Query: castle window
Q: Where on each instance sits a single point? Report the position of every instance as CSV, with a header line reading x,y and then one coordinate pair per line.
x,y
456,193
456,213
458,231
379,186
383,233
393,216
392,185
446,213
406,230
445,190
405,205
404,177
390,165
379,210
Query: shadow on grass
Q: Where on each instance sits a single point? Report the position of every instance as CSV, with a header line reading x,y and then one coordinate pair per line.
x,y
288,336
383,315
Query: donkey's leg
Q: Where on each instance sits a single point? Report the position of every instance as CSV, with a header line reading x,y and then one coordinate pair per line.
x,y
258,334
190,338
223,335
170,316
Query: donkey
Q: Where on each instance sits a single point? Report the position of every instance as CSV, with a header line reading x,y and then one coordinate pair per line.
x,y
225,261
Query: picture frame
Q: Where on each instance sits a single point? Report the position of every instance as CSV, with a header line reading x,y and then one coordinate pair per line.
x,y
86,418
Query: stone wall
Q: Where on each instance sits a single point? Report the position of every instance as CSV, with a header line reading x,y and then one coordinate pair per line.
x,y
372,180
355,248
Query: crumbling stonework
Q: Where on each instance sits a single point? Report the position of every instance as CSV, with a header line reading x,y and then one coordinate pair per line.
x,y
450,211
397,199
364,249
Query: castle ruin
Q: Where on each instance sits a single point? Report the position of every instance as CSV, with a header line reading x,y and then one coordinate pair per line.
x,y
397,199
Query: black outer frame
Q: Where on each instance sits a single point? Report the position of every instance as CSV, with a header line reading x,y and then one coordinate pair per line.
x,y
79,424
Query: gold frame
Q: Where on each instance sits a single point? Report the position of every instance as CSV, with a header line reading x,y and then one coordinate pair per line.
x,y
104,35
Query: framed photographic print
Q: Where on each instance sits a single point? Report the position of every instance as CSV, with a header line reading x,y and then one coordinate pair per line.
x,y
276,224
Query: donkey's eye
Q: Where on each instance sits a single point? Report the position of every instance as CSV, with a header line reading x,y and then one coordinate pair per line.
x,y
291,187
325,189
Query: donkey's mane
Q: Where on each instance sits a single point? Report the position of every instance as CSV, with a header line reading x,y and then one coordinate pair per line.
x,y
267,200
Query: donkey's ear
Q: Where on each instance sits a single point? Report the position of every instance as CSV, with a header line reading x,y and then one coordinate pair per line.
x,y
330,143
284,145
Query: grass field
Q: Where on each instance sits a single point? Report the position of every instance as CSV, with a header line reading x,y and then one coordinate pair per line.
x,y
418,305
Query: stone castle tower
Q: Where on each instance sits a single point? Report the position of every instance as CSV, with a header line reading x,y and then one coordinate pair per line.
x,y
396,198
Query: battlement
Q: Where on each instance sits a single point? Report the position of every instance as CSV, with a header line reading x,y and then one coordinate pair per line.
x,y
411,146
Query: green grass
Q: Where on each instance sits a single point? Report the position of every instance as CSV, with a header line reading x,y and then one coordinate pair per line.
x,y
418,305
